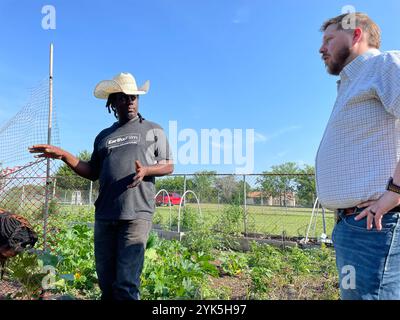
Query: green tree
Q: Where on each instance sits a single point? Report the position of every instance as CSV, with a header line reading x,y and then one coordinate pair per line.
x,y
204,185
306,190
280,181
230,190
69,180
171,184
227,187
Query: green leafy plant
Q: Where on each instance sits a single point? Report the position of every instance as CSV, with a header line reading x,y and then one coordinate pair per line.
x,y
190,219
298,260
233,263
76,249
35,272
171,271
230,222
201,240
152,241
157,218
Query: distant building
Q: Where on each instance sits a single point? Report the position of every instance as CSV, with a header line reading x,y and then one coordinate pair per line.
x,y
259,198
76,198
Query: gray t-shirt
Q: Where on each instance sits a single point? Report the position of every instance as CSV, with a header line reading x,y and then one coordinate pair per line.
x,y
113,161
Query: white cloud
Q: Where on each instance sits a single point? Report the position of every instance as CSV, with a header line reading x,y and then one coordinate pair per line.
x,y
259,137
282,131
282,154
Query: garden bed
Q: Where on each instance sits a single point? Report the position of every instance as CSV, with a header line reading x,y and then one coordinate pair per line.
x,y
244,241
201,266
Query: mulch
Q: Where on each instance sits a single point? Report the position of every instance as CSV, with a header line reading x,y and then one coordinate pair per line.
x,y
9,289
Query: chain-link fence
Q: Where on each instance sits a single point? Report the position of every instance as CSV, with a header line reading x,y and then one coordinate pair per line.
x,y
263,204
28,127
29,192
259,204
26,191
272,206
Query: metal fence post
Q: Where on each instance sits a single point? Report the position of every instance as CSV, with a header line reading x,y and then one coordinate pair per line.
x,y
49,132
245,205
54,187
90,193
184,189
23,197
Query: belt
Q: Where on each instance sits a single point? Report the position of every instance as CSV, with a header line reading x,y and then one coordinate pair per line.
x,y
354,210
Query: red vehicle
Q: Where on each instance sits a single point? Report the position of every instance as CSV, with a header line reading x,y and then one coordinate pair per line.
x,y
162,199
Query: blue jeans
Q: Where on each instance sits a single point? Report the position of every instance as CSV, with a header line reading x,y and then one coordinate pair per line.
x,y
119,247
368,261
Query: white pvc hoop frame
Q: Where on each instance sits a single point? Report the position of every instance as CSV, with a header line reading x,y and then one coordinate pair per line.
x,y
180,206
313,218
169,204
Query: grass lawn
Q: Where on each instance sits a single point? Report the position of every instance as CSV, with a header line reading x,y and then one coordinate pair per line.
x,y
264,219
260,219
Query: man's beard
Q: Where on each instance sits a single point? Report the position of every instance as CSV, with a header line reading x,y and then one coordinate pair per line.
x,y
339,61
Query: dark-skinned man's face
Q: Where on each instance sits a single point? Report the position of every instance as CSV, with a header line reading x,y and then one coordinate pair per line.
x,y
126,106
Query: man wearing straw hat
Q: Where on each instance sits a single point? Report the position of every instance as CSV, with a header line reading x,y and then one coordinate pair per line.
x,y
126,159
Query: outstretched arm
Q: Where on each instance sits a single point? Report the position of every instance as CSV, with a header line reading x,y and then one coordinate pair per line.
x,y
80,167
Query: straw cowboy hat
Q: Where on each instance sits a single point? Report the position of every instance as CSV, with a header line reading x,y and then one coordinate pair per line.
x,y
123,82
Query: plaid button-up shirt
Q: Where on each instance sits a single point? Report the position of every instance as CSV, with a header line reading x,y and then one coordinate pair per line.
x,y
361,144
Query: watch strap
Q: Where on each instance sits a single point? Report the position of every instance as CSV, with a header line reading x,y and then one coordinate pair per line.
x,y
393,187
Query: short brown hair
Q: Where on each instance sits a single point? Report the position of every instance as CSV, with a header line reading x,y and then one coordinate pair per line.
x,y
362,21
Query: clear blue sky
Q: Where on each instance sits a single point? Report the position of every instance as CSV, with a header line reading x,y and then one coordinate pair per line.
x,y
244,64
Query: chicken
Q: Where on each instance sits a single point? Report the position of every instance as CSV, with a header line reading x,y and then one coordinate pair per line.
x,y
16,234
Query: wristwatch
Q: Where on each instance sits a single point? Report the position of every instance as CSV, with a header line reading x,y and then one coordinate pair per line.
x,y
392,187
